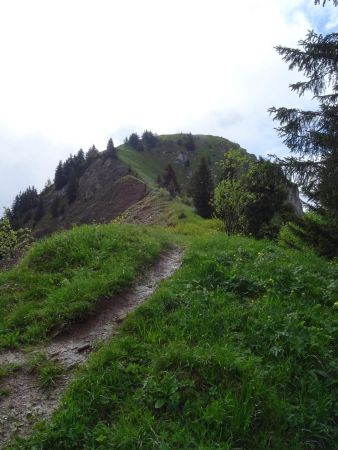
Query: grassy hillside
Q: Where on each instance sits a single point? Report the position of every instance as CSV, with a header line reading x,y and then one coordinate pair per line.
x,y
171,149
61,277
235,351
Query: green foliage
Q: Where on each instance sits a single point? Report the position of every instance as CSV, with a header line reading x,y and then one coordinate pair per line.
x,y
47,371
268,186
311,231
252,197
61,277
235,164
8,369
235,351
8,237
202,188
230,203
312,136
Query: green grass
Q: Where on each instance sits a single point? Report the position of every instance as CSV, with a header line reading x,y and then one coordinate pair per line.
x,y
170,149
47,371
8,369
236,350
144,163
61,278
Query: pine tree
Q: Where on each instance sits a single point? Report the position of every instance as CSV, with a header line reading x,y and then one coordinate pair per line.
x,y
169,181
202,189
111,150
60,179
312,136
269,188
23,204
79,162
149,139
134,141
91,155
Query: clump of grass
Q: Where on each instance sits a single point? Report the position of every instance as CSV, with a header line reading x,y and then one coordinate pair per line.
x,y
8,369
61,277
48,372
235,351
4,392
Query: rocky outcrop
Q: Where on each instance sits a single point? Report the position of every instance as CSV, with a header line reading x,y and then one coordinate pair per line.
x,y
106,189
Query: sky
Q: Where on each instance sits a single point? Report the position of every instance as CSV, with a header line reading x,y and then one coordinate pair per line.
x,y
76,72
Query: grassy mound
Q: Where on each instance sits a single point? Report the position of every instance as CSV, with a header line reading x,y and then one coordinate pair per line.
x,y
62,276
235,351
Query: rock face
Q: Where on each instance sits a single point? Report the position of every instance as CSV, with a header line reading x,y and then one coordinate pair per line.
x,y
106,189
294,200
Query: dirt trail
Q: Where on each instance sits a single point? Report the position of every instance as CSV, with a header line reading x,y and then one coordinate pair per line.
x,y
25,402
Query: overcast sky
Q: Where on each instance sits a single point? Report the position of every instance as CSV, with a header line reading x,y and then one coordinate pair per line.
x,y
76,72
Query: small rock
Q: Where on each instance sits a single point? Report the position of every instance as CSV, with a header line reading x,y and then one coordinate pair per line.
x,y
83,347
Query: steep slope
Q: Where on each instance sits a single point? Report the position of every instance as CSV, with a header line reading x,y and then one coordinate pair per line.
x,y
107,188
112,184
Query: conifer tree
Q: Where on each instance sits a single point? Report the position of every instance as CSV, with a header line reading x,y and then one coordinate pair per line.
x,y
111,150
170,182
80,162
149,139
312,136
134,141
202,189
23,203
91,155
60,179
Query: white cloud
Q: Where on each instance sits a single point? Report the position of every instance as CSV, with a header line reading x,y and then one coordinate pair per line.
x,y
77,72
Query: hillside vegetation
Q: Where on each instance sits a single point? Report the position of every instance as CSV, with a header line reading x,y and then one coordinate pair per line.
x,y
62,277
235,351
171,149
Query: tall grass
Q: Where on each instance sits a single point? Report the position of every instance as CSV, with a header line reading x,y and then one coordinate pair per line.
x,y
61,277
235,351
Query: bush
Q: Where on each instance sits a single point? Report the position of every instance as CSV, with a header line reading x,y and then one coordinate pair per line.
x,y
8,238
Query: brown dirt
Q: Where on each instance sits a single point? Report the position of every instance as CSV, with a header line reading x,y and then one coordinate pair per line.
x,y
25,402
